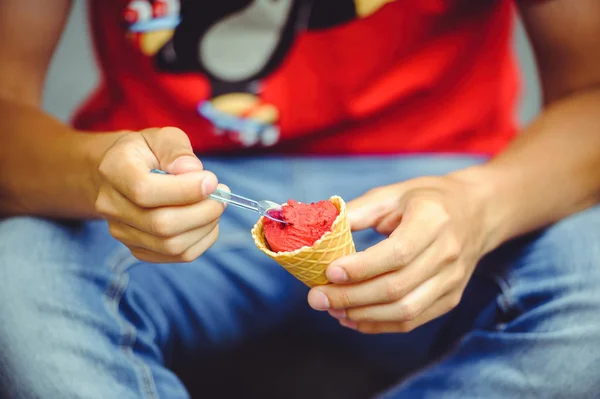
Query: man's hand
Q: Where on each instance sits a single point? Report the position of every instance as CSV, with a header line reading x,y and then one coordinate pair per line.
x,y
161,218
436,237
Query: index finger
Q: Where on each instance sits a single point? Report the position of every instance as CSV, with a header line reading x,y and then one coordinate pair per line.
x,y
150,190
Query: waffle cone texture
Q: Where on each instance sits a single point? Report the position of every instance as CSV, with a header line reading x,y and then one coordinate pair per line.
x,y
308,264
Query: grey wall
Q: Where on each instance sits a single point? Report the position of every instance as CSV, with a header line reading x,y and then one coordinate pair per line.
x,y
530,100
73,71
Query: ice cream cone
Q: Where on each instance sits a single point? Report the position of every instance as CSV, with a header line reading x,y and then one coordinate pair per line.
x,y
308,264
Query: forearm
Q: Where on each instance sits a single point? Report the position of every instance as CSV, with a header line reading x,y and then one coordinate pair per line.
x,y
47,169
551,171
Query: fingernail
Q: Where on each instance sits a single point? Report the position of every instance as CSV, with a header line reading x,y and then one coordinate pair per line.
x,y
223,187
349,323
318,300
338,313
209,184
336,274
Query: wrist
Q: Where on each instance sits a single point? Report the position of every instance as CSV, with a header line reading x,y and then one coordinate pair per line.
x,y
92,147
489,206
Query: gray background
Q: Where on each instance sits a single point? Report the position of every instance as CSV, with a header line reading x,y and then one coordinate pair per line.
x,y
73,71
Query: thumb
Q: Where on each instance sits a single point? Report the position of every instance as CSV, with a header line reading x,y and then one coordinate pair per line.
x,y
173,150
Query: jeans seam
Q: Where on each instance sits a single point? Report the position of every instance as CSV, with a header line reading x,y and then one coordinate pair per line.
x,y
113,295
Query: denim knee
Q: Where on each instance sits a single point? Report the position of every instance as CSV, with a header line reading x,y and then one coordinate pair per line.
x,y
564,257
55,331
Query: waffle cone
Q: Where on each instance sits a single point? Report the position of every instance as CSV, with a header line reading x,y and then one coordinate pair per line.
x,y
308,264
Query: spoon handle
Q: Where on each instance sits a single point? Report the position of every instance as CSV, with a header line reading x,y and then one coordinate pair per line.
x,y
236,200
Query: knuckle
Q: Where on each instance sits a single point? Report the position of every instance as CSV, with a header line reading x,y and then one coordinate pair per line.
x,y
102,205
104,169
160,225
457,276
344,299
417,204
140,255
439,215
436,211
170,130
358,315
172,247
213,236
358,271
409,311
187,257
453,248
453,301
373,191
442,215
116,231
174,132
114,156
140,193
368,328
401,252
192,253
128,136
395,289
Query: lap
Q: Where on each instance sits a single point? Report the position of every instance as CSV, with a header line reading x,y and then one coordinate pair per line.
x,y
78,311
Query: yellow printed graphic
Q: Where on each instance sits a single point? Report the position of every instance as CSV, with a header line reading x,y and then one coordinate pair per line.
x,y
364,8
246,105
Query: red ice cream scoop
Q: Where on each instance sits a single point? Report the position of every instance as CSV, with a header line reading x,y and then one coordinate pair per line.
x,y
306,223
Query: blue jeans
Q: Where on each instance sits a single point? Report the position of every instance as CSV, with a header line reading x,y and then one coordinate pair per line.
x,y
80,317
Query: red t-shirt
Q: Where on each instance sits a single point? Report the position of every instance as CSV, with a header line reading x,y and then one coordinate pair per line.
x,y
308,76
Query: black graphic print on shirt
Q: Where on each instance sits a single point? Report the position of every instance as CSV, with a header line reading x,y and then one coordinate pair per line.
x,y
234,44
